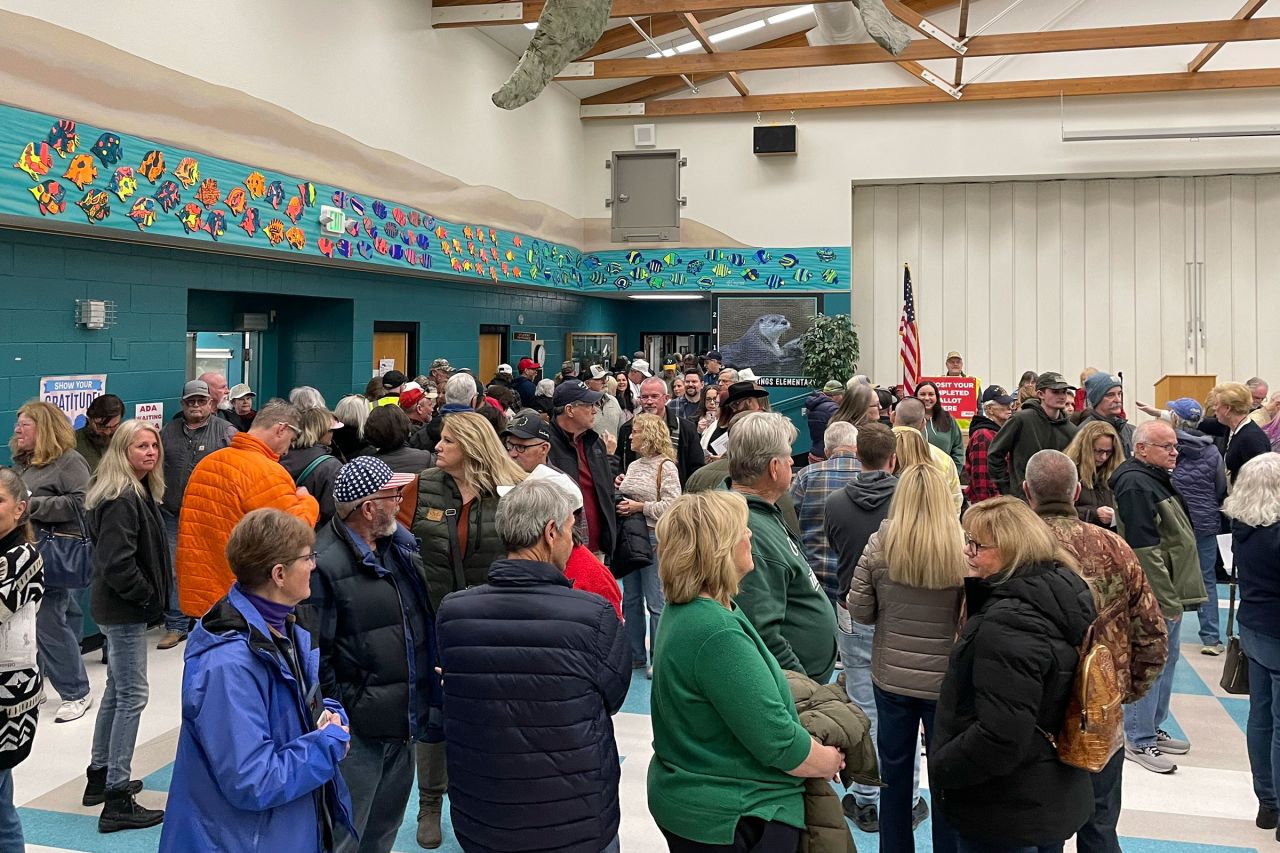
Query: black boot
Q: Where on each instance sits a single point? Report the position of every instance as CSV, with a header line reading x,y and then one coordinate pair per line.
x,y
123,812
95,790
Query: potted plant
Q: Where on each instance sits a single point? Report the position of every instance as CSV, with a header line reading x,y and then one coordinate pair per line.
x,y
830,349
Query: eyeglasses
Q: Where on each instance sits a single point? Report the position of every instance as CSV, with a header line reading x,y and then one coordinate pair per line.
x,y
972,544
397,497
1167,448
296,430
1100,452
520,449
307,558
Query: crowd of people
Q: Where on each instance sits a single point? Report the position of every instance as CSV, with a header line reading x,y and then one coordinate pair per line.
x,y
449,584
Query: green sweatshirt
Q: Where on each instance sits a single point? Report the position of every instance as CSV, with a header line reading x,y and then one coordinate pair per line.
x,y
783,598
725,729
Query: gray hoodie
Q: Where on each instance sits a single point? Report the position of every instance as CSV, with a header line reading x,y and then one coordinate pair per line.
x,y
853,514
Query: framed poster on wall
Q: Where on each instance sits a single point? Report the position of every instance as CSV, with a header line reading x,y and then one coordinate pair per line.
x,y
763,333
588,348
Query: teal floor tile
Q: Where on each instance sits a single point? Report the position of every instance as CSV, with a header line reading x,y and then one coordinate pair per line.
x,y
637,701
1187,680
80,832
159,780
1238,709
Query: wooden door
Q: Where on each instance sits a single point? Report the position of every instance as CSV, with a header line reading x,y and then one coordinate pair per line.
x,y
490,355
393,346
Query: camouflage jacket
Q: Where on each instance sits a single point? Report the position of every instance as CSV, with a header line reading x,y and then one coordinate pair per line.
x,y
1135,632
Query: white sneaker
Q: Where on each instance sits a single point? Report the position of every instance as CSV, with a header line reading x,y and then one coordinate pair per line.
x,y
73,709
1151,758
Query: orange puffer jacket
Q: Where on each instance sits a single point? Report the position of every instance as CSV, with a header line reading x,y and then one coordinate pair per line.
x,y
226,486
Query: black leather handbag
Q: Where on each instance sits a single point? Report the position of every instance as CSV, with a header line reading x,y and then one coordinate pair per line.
x,y
1235,666
68,557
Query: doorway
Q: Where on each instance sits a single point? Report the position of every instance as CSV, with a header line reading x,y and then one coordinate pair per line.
x,y
658,346
232,354
395,347
493,349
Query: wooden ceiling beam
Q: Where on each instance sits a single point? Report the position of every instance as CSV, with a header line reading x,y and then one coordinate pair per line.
x,y
960,34
1182,81
701,37
479,14
1247,11
657,87
1056,41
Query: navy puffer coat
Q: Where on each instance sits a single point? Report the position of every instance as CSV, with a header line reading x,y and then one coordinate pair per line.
x,y
533,671
819,408
1201,478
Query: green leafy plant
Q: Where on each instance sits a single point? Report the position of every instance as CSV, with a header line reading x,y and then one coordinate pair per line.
x,y
830,349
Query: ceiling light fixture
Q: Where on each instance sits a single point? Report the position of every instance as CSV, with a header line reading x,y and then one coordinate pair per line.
x,y
666,297
667,53
790,15
532,25
736,31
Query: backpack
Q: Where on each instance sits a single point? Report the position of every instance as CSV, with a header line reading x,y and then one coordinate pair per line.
x,y
1093,728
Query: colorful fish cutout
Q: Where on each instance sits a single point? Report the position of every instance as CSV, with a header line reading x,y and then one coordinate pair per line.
x,y
396,253
188,172
326,246
365,249
831,276
295,238
788,261
108,149
826,255
123,183
208,194
63,137
152,166
256,184
339,198
802,275
293,209
307,192
237,200
275,194
275,231
773,282
96,205
50,197
191,217
216,223
343,248
35,163
357,206
169,196
81,171
398,215
390,229
379,210
143,213
251,222
380,245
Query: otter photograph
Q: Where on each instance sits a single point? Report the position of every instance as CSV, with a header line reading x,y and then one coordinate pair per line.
x,y
763,333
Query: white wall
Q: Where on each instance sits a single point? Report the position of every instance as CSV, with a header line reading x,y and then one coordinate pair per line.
x,y
372,69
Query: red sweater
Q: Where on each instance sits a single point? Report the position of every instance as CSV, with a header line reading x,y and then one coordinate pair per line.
x,y
590,575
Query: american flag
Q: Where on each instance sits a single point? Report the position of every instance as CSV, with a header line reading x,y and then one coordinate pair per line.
x,y
909,336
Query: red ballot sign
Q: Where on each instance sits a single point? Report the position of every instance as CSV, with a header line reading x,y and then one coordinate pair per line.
x,y
957,394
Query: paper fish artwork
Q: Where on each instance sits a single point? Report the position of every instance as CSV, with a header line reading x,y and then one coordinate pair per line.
x,y
256,184
216,223
294,209
237,200
63,137
152,166
188,172
108,149
35,163
275,231
81,171
143,213
208,194
191,217
169,196
295,238
307,191
50,197
252,222
275,194
123,183
96,205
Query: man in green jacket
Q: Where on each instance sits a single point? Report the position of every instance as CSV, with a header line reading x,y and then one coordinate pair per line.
x,y
782,598
1152,518
1041,424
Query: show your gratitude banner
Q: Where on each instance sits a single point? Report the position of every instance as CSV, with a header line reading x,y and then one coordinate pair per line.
x,y
73,394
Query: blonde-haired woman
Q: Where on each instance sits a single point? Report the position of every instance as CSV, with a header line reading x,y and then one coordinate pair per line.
x,y
131,572
456,522
910,448
1007,685
44,456
348,440
1231,403
651,483
1097,453
310,460
909,584
729,753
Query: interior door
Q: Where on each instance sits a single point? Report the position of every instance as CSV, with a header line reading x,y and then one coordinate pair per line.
x,y
490,354
390,350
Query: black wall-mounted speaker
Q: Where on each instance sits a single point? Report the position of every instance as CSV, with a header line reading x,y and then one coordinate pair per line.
x,y
773,139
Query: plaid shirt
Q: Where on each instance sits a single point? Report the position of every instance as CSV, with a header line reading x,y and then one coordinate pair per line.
x,y
981,486
810,490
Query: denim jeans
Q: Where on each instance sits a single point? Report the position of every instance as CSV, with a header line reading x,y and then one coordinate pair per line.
x,y
898,745
1099,834
1262,731
1207,546
11,840
58,624
855,654
116,731
967,845
174,619
379,775
640,590
1142,718
612,847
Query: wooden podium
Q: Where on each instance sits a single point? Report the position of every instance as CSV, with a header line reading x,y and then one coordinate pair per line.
x,y
1174,385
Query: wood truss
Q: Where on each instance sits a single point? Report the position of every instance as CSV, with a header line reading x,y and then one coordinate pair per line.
x,y
662,75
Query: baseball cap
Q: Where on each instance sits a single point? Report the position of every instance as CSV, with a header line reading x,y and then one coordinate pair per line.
x,y
504,369
1185,408
551,475
410,398
442,364
715,353
195,388
527,423
392,379
996,394
598,372
642,367
529,364
365,476
954,354
240,390
833,386
574,391
1053,381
